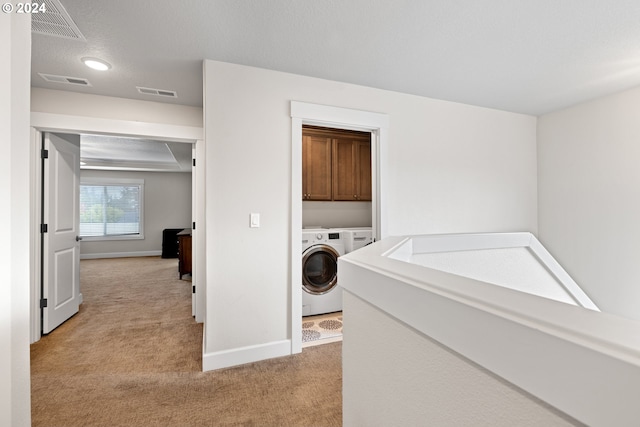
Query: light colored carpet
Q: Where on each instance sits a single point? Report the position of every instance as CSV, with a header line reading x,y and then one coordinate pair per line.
x,y
132,357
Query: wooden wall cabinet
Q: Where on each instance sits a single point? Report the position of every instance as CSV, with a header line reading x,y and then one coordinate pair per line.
x,y
351,169
316,167
336,165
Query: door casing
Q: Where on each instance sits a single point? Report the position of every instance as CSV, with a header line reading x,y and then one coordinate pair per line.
x,y
377,124
59,123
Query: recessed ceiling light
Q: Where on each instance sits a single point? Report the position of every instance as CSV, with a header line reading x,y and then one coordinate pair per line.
x,y
96,64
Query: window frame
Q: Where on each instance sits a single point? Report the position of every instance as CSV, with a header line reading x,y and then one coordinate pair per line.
x,y
99,181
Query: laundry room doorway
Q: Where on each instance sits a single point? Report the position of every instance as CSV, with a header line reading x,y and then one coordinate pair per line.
x,y
336,199
311,124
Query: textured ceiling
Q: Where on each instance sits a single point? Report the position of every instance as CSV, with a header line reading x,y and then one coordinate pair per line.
x,y
522,56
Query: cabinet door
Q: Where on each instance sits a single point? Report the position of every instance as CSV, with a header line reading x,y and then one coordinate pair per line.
x,y
351,169
316,168
344,169
363,170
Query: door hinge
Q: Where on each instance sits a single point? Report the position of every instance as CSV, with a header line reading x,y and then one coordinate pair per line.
x,y
43,303
193,289
194,225
44,228
45,154
194,162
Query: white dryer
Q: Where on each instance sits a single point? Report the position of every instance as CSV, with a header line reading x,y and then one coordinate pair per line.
x,y
357,237
320,251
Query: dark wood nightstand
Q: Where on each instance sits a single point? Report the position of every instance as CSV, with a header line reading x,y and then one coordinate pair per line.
x,y
184,252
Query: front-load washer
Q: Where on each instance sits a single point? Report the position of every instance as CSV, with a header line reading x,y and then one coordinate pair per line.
x,y
320,251
356,238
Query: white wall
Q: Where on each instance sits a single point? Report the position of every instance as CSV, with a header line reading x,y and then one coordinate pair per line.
x,y
394,375
459,168
589,199
453,168
105,107
336,214
15,65
167,204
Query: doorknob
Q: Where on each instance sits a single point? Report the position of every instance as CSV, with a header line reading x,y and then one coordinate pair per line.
x,y
78,238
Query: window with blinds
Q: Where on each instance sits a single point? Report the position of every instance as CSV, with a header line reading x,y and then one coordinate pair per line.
x,y
111,209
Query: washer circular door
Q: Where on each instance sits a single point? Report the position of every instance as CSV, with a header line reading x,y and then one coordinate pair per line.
x,y
319,269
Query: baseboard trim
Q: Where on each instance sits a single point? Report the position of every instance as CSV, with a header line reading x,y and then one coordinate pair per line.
x,y
242,355
120,254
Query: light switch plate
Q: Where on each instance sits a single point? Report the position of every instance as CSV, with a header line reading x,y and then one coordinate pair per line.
x,y
255,220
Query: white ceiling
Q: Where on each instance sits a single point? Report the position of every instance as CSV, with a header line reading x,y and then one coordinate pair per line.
x,y
523,56
118,153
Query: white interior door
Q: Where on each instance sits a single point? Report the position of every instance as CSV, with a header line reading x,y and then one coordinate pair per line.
x,y
61,296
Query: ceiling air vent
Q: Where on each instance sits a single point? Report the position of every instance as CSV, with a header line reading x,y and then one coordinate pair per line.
x,y
157,92
55,22
78,81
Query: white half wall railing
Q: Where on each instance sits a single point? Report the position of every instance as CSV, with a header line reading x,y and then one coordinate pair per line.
x,y
477,295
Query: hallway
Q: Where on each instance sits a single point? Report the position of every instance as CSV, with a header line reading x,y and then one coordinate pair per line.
x,y
132,356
